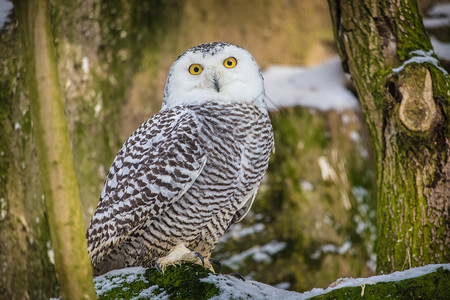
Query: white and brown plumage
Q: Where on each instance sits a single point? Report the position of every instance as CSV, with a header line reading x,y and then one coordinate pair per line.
x,y
189,172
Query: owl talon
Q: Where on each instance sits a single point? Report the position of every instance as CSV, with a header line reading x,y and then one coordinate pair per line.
x,y
157,267
201,258
217,263
238,276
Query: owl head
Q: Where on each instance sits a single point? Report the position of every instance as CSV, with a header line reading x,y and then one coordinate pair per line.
x,y
219,72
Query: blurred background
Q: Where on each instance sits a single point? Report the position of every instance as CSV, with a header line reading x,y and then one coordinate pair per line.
x,y
314,218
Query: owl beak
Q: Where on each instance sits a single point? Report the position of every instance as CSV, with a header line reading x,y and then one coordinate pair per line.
x,y
216,83
212,79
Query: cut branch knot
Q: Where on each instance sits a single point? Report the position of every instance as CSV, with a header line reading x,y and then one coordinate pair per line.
x,y
417,109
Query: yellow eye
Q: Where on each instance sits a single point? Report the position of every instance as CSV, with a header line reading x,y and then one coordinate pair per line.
x,y
230,62
195,69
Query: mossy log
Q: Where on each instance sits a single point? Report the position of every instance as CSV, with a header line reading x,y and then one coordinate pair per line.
x,y
435,285
405,97
190,281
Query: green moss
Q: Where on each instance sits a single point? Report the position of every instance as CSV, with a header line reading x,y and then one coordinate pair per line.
x,y
125,289
5,155
183,282
441,90
6,108
431,286
178,282
412,34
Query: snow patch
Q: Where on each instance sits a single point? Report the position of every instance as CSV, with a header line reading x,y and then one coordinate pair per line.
x,y
85,65
106,282
442,49
2,209
356,138
396,276
98,109
438,16
420,58
441,9
326,169
233,288
50,252
330,248
258,253
237,231
345,119
5,9
436,22
306,185
148,294
321,87
283,285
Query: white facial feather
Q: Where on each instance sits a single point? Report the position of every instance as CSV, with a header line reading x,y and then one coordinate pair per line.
x,y
243,83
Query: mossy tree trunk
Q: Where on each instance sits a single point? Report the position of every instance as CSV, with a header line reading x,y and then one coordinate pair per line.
x,y
27,270
51,134
405,97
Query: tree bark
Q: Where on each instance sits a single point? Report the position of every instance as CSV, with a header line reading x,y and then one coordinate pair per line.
x,y
404,95
53,148
27,270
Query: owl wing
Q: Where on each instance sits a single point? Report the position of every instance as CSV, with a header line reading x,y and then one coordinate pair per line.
x,y
157,164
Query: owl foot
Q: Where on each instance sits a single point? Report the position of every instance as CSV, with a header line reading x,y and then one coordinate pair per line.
x,y
238,276
217,263
200,257
178,255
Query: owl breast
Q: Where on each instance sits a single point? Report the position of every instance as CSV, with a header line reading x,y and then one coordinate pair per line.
x,y
237,141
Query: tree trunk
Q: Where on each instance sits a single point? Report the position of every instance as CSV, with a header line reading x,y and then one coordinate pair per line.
x,y
404,95
51,134
26,270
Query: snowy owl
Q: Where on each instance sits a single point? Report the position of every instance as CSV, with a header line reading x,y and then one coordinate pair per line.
x,y
190,171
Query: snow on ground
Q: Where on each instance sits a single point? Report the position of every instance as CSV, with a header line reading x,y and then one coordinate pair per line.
x,y
106,282
231,287
396,276
321,87
238,289
237,231
438,17
442,49
439,9
258,253
436,22
5,9
330,248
